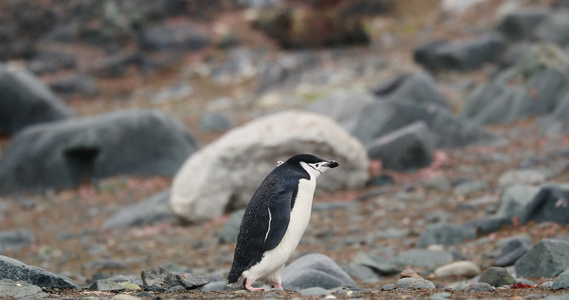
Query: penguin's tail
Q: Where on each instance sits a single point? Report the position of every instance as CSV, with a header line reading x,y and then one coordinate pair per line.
x,y
236,283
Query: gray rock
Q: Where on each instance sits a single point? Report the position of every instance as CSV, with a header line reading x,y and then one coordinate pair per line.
x,y
406,148
422,258
51,61
106,285
18,271
378,265
226,181
460,55
554,28
160,280
445,234
521,24
315,270
548,258
216,286
471,187
14,240
523,176
20,289
562,281
550,204
496,276
231,228
75,84
216,121
153,210
343,106
25,100
459,268
414,284
441,184
65,154
489,224
314,291
511,253
480,287
182,37
556,123
363,273
515,198
417,87
382,117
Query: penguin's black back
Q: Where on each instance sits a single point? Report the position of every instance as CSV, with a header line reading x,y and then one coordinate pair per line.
x,y
251,245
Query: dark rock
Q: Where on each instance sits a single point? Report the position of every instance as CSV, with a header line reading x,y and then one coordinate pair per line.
x,y
113,65
562,281
511,252
383,117
18,271
216,121
259,4
414,284
20,290
153,210
548,258
106,286
521,24
24,100
445,234
496,276
480,287
550,204
556,122
315,270
460,55
66,154
554,28
417,87
489,224
422,258
160,280
407,148
363,273
14,240
231,228
76,84
184,37
377,264
52,61
515,199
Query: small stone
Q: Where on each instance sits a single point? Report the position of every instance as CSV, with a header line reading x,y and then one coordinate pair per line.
x,y
408,273
388,287
445,234
440,296
459,268
161,280
414,283
19,289
547,284
496,276
471,187
511,253
105,285
562,281
314,291
480,287
125,297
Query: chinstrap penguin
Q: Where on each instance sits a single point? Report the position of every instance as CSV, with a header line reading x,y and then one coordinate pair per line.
x,y
274,221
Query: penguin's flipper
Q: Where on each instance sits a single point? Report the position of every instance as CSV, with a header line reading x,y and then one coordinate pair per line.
x,y
279,217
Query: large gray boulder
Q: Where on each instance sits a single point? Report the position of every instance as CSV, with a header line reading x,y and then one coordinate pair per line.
x,y
224,175
67,153
550,204
24,100
383,117
548,258
153,210
417,87
18,271
460,55
315,270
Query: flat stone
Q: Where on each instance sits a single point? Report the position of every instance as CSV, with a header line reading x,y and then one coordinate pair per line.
x,y
20,289
160,280
414,284
314,291
459,268
16,270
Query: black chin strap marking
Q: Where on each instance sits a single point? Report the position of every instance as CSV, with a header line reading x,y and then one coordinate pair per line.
x,y
314,168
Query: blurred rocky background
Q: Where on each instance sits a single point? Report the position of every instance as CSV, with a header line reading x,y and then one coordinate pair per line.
x,y
134,132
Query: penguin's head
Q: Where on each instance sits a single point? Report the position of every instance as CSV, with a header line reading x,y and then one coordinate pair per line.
x,y
313,165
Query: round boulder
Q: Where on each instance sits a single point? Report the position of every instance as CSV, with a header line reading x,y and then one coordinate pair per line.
x,y
223,176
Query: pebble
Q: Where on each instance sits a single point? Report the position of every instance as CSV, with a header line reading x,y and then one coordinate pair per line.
x,y
459,268
414,283
496,276
480,287
314,291
562,281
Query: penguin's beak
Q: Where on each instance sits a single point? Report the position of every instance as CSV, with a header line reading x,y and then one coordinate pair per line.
x,y
331,164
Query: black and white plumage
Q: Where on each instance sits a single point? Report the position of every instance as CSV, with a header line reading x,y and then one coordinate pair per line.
x,y
275,220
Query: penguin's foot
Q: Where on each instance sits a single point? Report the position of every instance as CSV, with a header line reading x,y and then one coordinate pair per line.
x,y
278,286
249,286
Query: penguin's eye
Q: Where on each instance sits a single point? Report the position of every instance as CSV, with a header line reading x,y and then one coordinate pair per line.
x,y
317,165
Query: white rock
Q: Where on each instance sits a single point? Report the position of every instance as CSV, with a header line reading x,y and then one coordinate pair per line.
x,y
459,268
225,174
459,6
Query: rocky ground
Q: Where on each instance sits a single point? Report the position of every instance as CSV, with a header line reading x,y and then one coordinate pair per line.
x,y
65,227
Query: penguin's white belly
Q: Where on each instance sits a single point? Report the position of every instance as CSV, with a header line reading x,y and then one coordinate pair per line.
x,y
274,259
